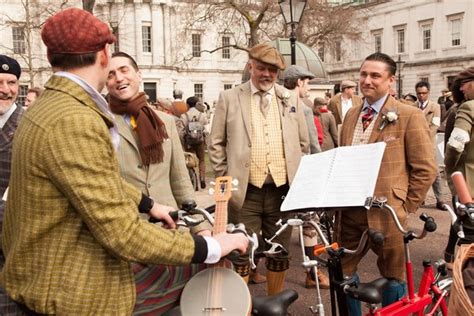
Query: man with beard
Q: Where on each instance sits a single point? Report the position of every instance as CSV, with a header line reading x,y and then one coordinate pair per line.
x,y
72,226
408,169
10,115
258,136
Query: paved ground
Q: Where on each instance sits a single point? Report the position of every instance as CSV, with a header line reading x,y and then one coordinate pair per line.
x,y
431,247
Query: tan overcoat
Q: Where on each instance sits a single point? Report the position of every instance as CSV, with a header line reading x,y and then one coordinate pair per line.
x,y
432,114
229,145
408,165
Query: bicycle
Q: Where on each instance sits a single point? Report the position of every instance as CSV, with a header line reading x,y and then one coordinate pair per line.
x,y
430,299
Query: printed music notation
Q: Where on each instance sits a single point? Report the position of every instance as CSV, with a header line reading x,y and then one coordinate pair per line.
x,y
341,177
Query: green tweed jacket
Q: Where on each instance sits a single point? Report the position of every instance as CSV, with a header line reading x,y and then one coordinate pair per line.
x,y
71,225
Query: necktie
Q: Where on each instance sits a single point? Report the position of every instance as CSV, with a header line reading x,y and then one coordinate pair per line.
x,y
264,104
367,117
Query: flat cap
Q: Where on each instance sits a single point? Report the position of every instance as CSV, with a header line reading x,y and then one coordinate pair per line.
x,y
9,65
297,72
75,31
348,84
267,54
320,101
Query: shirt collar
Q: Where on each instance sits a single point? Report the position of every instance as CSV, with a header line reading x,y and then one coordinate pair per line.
x,y
254,89
377,105
4,118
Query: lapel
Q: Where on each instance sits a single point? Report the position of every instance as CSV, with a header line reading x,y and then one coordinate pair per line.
x,y
390,105
71,88
339,107
245,102
6,133
279,90
125,131
350,121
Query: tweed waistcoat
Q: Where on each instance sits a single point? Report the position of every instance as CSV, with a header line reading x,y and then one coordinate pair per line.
x,y
267,155
361,137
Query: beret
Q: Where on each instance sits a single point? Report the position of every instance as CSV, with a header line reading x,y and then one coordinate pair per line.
x,y
297,72
75,31
348,84
9,65
267,54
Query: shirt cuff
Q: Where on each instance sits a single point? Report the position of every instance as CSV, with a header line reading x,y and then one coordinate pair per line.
x,y
213,250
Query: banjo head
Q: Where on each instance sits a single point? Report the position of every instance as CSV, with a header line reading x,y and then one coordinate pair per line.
x,y
216,291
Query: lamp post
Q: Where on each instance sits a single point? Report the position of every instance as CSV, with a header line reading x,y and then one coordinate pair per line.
x,y
292,10
399,63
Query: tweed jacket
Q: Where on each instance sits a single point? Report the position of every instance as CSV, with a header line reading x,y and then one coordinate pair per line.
x,y
230,145
328,123
462,159
71,225
408,165
432,115
314,146
167,182
335,106
6,141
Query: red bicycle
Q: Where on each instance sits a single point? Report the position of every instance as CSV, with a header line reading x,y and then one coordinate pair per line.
x,y
433,288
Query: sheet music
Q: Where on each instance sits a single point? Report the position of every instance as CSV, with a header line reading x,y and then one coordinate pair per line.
x,y
341,177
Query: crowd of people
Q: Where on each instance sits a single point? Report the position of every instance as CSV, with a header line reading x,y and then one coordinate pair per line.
x,y
84,173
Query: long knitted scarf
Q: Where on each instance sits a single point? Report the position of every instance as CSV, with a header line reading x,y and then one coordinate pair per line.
x,y
150,129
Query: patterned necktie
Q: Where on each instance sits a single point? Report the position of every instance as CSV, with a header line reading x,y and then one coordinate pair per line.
x,y
264,104
367,117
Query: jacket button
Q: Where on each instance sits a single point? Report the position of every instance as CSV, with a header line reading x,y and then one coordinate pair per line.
x,y
246,165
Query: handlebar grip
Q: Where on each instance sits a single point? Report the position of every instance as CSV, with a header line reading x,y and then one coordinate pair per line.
x,y
188,205
320,249
174,215
376,237
430,224
461,187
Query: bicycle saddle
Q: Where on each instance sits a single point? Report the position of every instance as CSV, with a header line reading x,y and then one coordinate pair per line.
x,y
370,292
275,305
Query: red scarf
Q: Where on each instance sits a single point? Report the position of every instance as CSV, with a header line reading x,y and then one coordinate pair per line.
x,y
151,130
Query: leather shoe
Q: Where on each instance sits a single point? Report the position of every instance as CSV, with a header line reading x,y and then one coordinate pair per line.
x,y
323,281
256,278
441,206
203,184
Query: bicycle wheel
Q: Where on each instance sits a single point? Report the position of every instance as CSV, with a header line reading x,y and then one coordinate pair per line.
x,y
194,179
443,285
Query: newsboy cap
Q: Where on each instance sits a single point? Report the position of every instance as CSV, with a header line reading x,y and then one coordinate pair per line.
x,y
348,84
320,101
297,72
267,54
9,65
75,31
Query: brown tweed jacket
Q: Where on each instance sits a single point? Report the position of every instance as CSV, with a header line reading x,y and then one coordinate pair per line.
x,y
432,115
6,141
71,225
335,106
408,165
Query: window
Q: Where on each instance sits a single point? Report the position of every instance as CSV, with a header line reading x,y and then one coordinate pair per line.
x,y
321,51
424,79
22,92
150,91
227,86
450,80
116,45
196,45
146,38
19,44
338,51
401,41
226,48
456,32
378,42
198,90
426,34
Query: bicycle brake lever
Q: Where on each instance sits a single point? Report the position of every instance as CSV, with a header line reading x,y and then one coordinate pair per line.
x,y
275,249
254,241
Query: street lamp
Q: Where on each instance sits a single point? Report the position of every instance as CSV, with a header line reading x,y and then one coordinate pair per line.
x,y
292,11
399,63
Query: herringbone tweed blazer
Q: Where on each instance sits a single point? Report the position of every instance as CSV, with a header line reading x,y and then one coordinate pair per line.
x,y
408,165
230,145
71,225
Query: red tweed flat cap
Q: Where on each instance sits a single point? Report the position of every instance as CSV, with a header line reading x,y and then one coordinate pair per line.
x,y
75,31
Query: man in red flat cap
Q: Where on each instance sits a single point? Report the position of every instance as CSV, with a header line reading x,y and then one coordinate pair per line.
x,y
72,224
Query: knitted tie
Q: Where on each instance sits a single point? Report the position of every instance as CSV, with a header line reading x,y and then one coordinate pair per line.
x,y
367,117
264,104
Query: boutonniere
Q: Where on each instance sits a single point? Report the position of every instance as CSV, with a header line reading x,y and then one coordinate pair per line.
x,y
285,98
390,117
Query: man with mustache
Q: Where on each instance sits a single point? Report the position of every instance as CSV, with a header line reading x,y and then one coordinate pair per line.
x,y
407,171
258,136
10,114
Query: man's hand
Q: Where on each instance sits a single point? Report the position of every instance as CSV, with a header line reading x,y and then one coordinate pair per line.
x,y
229,242
161,212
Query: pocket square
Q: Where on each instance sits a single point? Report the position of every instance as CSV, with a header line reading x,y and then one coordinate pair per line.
x,y
390,138
292,109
